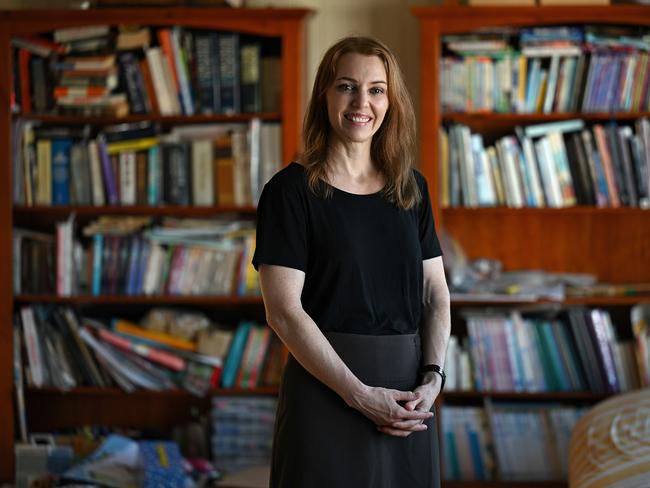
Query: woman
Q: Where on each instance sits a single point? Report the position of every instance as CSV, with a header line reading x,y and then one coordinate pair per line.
x,y
353,284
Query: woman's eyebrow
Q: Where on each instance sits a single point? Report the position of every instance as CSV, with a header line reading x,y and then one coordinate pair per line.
x,y
347,78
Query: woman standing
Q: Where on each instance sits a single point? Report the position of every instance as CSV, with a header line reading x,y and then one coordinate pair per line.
x,y
353,283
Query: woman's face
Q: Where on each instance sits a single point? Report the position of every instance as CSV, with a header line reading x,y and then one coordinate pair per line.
x,y
357,100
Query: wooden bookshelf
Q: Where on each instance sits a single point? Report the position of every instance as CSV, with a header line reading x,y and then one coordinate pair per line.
x,y
122,300
610,243
161,119
588,396
50,408
504,484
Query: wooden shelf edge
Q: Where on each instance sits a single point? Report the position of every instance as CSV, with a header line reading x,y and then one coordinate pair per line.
x,y
588,12
21,210
527,396
623,300
163,119
249,13
503,484
469,117
141,300
539,211
116,392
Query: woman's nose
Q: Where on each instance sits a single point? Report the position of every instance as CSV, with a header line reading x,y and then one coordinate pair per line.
x,y
361,99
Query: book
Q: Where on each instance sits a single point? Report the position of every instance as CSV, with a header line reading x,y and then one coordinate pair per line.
x,y
233,360
162,464
130,329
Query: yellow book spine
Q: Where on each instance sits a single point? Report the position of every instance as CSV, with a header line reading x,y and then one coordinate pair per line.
x,y
523,79
131,145
130,328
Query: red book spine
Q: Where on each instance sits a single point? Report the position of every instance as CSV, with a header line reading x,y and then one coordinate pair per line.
x,y
156,355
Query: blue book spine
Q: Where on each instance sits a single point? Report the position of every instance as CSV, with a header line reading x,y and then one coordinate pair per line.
x,y
153,176
112,195
145,247
61,171
134,258
477,460
450,446
556,361
98,252
235,353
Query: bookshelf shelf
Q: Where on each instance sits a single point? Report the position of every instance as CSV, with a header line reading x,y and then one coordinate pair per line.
x,y
492,124
116,392
49,409
504,484
515,395
462,212
597,301
459,18
474,119
205,301
162,119
172,211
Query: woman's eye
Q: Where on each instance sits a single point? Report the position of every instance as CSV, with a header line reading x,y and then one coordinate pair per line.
x,y
377,91
345,87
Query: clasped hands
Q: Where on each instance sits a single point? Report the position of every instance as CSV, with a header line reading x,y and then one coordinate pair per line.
x,y
395,412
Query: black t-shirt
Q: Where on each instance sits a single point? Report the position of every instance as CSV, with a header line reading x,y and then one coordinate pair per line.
x,y
361,254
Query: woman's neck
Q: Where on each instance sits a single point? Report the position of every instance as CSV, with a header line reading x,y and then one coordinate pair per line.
x,y
351,161
352,170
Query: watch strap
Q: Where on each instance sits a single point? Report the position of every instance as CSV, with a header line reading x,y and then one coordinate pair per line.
x,y
436,369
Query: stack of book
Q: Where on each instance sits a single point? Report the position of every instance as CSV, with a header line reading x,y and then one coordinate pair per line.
x,y
99,70
65,351
136,164
126,256
555,164
577,350
547,69
242,431
507,441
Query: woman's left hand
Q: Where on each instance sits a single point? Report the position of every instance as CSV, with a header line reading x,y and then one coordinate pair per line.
x,y
427,394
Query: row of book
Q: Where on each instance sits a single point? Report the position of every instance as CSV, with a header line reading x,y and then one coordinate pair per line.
x,y
507,441
554,164
179,257
100,70
64,350
242,431
577,350
136,164
544,70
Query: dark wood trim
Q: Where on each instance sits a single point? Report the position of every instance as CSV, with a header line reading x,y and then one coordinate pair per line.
x,y
123,300
6,284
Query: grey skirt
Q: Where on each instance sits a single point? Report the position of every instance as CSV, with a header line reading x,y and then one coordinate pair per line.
x,y
320,442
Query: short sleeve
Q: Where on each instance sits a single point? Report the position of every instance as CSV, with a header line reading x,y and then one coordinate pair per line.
x,y
281,237
428,238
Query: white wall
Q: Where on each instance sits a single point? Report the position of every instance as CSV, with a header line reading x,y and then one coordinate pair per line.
x,y
388,20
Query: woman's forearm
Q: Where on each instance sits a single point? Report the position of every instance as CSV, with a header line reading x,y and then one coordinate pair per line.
x,y
434,332
313,351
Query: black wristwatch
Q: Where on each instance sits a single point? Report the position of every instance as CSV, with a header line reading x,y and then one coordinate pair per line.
x,y
436,369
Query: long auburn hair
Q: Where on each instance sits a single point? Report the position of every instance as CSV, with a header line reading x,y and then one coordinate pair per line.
x,y
392,146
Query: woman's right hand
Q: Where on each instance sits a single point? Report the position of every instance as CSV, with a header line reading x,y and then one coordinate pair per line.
x,y
383,407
